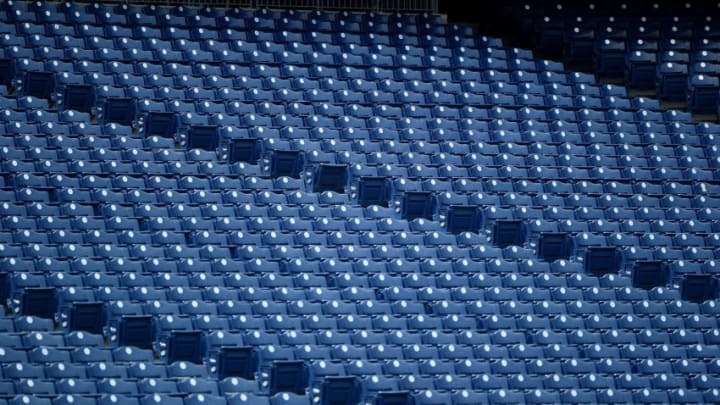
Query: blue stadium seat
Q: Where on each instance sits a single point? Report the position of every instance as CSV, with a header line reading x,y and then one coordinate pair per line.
x,y
330,177
509,232
374,191
38,84
162,124
699,287
204,137
119,110
288,376
78,97
136,330
340,391
41,302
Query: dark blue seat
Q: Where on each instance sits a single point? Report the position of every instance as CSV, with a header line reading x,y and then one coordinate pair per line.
x,y
204,137
244,150
39,301
87,316
289,376
699,287
394,398
340,391
464,218
509,232
163,124
118,110
38,84
374,191
78,97
136,330
237,362
649,274
602,260
287,163
330,177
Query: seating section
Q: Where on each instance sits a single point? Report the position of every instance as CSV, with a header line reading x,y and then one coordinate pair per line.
x,y
285,207
667,47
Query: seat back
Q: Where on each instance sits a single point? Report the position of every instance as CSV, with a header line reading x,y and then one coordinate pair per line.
x,y
119,110
374,191
41,302
508,232
699,287
394,398
286,163
244,150
136,330
418,204
602,260
39,84
464,218
649,274
203,137
186,346
237,362
330,178
163,124
7,71
340,391
288,376
87,316
78,97
554,246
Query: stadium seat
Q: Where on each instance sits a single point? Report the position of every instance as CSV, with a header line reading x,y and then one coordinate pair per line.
x,y
287,163
602,260
162,124
649,274
374,191
39,84
41,302
119,110
288,376
340,391
87,316
699,287
329,177
508,232
78,97
464,219
237,362
136,330
204,137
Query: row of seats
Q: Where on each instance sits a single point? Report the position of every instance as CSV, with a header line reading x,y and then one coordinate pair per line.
x,y
672,56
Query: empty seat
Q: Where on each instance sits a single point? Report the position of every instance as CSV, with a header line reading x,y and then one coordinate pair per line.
x,y
237,362
287,163
136,330
118,110
374,191
508,232
38,84
78,97
464,219
329,177
288,376
162,124
699,287
649,274
602,260
340,391
204,137
40,302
